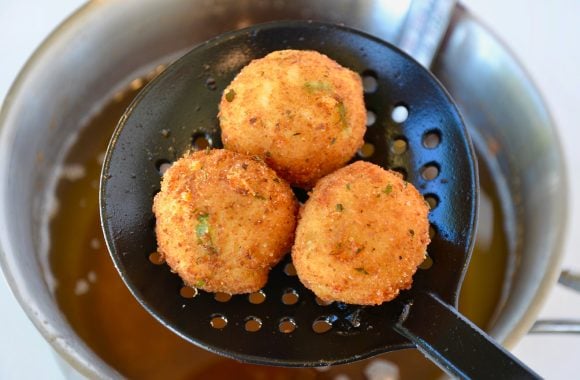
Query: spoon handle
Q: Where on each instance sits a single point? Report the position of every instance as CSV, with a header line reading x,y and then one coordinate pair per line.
x,y
425,26
455,344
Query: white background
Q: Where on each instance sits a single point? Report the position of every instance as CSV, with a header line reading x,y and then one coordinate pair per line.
x,y
544,35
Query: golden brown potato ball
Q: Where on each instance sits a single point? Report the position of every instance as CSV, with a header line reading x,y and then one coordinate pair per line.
x,y
361,235
300,111
223,219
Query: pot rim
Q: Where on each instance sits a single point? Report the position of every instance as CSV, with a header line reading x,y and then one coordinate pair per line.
x,y
556,258
75,21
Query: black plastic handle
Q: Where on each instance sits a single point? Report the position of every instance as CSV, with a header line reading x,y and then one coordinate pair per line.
x,y
455,344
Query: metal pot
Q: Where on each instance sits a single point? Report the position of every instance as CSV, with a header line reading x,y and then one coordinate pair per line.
x,y
105,44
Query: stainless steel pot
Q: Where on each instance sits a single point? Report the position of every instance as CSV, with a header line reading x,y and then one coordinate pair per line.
x,y
107,43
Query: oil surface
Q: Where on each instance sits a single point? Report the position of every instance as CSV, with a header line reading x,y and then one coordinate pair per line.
x,y
104,314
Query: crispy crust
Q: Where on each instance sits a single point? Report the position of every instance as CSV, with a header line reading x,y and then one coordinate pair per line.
x,y
361,235
300,111
223,220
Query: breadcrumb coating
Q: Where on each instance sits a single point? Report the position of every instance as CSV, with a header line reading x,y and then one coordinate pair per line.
x,y
223,220
361,235
302,112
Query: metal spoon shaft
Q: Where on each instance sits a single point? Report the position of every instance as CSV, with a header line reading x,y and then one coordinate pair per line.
x,y
425,26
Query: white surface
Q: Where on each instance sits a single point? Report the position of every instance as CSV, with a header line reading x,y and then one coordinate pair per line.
x,y
24,354
543,34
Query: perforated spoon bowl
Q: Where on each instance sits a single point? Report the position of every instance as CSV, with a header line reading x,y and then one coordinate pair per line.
x,y
417,131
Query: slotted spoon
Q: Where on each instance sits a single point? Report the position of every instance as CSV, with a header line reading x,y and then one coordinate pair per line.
x,y
281,325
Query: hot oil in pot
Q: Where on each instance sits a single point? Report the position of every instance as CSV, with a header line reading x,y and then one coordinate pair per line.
x,y
107,317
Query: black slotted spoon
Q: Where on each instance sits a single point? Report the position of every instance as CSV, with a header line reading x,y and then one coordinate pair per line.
x,y
286,326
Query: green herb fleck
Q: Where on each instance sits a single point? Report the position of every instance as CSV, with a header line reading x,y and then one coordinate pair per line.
x,y
202,227
339,207
348,186
342,114
199,284
358,250
230,95
259,196
333,141
361,270
412,232
317,86
388,190
202,230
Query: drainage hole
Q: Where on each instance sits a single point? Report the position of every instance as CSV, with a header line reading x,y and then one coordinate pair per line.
x,y
430,171
187,292
432,231
322,325
427,263
399,145
287,325
369,81
290,297
432,200
156,258
321,302
367,150
222,297
432,139
290,270
162,165
210,84
218,321
400,114
257,297
371,118
253,324
200,141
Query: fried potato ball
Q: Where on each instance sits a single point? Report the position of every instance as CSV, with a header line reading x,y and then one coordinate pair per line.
x,y
223,219
300,111
361,235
